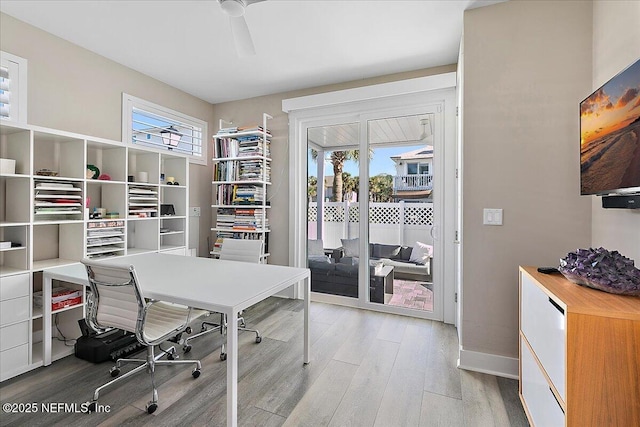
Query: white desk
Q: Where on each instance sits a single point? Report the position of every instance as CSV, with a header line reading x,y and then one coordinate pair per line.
x,y
221,286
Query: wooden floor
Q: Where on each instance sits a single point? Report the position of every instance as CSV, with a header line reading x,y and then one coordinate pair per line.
x,y
367,369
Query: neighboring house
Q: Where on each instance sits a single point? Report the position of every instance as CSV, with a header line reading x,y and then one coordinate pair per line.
x,y
414,175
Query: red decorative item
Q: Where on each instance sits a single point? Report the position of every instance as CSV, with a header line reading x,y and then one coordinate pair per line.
x,y
105,177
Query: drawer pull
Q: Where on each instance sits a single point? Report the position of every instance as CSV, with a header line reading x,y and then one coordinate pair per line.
x,y
555,304
557,401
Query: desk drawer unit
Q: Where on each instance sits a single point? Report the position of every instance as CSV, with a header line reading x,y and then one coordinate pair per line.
x,y
14,324
579,347
543,324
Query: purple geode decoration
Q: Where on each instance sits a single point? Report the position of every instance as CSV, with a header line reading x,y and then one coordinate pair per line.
x,y
600,269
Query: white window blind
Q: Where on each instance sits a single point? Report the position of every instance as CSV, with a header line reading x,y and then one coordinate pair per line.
x,y
13,87
152,125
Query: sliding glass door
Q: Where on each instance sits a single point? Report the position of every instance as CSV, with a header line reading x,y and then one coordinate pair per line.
x,y
373,196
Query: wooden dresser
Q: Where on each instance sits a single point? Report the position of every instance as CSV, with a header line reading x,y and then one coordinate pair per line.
x,y
579,354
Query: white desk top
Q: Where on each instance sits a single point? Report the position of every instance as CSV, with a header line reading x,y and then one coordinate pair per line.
x,y
210,284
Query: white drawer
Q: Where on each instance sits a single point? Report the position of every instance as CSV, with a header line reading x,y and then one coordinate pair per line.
x,y
12,360
14,335
14,310
14,286
544,324
544,409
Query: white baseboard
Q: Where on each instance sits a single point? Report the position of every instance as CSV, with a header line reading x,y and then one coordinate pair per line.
x,y
487,363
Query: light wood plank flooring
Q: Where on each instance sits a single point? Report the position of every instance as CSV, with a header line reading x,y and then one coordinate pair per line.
x,y
367,369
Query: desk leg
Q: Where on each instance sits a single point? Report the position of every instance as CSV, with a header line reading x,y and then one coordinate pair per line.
x,y
307,307
232,369
46,319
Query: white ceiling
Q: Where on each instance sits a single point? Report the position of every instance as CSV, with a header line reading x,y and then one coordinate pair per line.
x,y
299,43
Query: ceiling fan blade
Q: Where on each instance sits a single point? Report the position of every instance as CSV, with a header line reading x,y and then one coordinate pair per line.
x,y
242,37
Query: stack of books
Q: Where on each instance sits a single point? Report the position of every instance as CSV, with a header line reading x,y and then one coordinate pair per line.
x,y
253,145
252,170
225,218
250,220
225,147
248,194
225,171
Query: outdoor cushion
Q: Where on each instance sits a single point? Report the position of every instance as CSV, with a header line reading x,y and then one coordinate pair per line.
x,y
385,251
315,248
351,247
421,253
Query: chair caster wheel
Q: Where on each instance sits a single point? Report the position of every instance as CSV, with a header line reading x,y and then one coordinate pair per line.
x,y
258,340
223,356
188,330
114,372
196,373
172,356
151,407
186,348
92,406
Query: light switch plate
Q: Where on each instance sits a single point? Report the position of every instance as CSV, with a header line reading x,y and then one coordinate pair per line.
x,y
492,217
194,211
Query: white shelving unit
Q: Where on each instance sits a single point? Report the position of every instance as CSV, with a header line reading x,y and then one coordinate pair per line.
x,y
72,196
241,176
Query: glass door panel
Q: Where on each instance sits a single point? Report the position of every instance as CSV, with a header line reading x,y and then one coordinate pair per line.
x,y
401,211
332,209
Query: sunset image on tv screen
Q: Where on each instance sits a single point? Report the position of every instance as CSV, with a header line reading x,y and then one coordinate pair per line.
x,y
610,135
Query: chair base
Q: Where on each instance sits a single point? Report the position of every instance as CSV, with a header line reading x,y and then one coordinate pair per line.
x,y
186,347
149,365
241,327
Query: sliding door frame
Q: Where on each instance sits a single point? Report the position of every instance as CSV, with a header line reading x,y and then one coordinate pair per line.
x,y
341,106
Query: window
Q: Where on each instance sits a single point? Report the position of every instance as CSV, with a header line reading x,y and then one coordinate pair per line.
x,y
152,125
417,168
13,88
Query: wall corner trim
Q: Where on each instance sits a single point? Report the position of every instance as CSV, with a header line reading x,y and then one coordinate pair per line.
x,y
488,363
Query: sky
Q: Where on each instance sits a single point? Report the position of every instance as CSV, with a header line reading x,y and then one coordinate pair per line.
x,y
613,106
380,163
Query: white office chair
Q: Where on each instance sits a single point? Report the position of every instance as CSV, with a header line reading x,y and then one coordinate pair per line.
x,y
117,302
232,250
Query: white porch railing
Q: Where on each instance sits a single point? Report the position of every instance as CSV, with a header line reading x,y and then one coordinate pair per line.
x,y
412,182
398,223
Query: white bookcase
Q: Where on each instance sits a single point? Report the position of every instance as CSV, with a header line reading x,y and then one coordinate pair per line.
x,y
47,214
241,177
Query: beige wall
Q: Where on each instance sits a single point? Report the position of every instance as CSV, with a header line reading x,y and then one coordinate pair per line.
x,y
73,89
527,65
250,111
616,44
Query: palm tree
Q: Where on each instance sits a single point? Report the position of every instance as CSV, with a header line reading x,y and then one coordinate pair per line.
x,y
337,159
312,187
381,188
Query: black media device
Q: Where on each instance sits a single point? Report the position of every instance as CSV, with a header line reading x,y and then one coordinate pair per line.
x,y
548,270
631,201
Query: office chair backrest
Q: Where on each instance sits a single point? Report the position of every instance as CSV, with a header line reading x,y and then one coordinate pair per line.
x,y
117,300
241,250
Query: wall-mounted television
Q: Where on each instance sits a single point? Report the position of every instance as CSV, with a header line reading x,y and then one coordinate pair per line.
x,y
610,136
